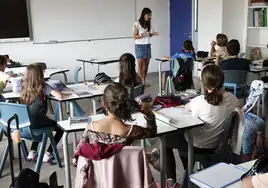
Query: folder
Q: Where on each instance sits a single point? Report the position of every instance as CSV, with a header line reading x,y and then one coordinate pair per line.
x,y
219,175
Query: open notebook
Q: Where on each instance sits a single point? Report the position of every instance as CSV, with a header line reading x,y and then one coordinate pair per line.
x,y
218,176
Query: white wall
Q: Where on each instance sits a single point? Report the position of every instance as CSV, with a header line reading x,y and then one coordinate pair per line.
x,y
65,54
233,20
221,16
209,22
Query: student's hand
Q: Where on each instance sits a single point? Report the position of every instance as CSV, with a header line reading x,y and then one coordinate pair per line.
x,y
146,108
155,34
213,43
167,58
247,182
145,34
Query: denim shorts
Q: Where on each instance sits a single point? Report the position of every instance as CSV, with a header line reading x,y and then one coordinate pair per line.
x,y
143,51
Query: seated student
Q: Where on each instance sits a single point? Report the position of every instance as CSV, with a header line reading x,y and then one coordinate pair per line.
x,y
3,76
34,92
128,76
212,108
221,42
113,130
234,62
127,71
257,181
187,52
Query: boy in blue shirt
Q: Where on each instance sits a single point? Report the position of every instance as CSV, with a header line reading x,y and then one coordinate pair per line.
x,y
187,52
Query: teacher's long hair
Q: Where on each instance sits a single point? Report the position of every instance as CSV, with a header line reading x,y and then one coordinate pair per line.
x,y
144,22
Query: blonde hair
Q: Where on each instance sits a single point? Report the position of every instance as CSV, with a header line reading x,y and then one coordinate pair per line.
x,y
33,84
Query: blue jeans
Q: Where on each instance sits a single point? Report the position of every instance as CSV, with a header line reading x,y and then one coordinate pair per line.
x,y
253,124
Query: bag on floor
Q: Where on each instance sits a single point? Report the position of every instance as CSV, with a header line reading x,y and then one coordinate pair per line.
x,y
30,179
184,77
168,101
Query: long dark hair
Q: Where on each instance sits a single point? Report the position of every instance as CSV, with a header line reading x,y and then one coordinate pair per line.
x,y
213,79
116,101
143,23
33,84
127,75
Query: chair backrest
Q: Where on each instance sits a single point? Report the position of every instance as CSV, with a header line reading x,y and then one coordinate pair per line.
x,y
138,90
256,90
125,168
230,126
235,76
42,65
76,73
9,109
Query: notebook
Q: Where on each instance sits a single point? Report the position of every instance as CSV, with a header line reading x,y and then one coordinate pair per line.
x,y
218,176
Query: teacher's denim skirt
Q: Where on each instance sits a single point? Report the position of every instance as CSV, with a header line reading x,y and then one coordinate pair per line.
x,y
143,51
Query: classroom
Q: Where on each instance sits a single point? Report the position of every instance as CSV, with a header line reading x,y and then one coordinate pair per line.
x,y
133,93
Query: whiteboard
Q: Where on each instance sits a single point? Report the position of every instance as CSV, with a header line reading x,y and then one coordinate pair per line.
x,y
71,20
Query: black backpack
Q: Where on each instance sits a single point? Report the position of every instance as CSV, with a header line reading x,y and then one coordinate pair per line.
x,y
184,77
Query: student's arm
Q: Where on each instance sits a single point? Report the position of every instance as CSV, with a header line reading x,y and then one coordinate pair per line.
x,y
212,49
218,60
247,182
56,94
50,91
136,33
138,132
187,107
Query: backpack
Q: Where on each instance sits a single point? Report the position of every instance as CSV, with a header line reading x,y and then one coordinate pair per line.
x,y
184,77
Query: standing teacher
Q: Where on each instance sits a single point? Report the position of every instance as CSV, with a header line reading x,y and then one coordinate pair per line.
x,y
142,33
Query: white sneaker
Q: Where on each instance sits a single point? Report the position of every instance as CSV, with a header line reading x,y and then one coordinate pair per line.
x,y
32,156
49,158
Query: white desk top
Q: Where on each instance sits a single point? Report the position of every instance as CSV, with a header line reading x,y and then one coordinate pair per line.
x,y
257,69
180,118
47,74
92,90
88,91
139,120
100,60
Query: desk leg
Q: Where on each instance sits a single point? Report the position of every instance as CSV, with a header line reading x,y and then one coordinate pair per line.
x,y
163,162
94,106
74,133
60,112
160,78
263,103
66,160
190,157
65,77
84,71
98,69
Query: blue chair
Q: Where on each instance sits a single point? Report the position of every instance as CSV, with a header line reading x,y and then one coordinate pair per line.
x,y
235,79
26,133
78,111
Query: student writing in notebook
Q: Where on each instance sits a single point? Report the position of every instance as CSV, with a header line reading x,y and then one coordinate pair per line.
x,y
212,108
113,132
34,92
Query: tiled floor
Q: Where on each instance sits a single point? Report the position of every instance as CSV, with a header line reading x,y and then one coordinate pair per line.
x,y
48,169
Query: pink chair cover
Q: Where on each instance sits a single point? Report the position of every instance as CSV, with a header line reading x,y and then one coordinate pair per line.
x,y
127,169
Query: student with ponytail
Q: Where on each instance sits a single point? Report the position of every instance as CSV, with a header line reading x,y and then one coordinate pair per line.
x,y
212,108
